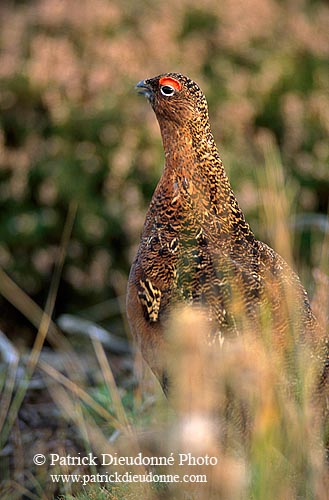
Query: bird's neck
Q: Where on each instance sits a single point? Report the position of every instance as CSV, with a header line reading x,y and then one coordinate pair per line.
x,y
192,150
192,157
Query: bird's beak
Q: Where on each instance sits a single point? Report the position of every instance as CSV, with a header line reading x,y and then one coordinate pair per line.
x,y
144,88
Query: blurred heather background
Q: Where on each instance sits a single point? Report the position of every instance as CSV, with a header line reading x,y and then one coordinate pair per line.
x,y
73,129
73,133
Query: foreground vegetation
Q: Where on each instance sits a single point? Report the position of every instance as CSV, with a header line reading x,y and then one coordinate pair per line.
x,y
259,417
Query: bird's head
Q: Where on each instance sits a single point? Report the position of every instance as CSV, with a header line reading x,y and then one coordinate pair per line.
x,y
175,97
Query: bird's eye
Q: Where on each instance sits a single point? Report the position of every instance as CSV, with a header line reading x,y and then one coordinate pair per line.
x,y
167,90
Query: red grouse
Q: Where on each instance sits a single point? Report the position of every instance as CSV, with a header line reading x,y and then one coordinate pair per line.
x,y
196,246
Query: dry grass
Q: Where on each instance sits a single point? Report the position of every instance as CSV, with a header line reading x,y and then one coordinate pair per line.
x,y
239,402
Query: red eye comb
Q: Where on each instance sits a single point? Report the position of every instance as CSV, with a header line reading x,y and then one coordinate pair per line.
x,y
167,80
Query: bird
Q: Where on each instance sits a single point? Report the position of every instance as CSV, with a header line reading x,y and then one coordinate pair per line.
x,y
196,247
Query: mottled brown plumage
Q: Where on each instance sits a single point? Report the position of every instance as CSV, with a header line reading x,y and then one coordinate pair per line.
x,y
196,246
